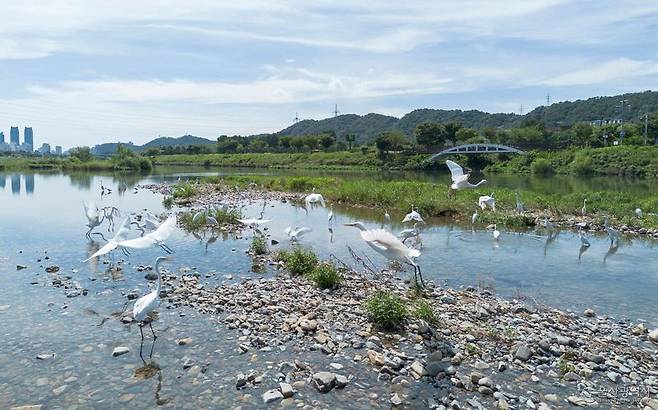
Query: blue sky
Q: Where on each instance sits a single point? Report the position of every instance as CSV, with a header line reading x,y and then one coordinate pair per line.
x,y
86,71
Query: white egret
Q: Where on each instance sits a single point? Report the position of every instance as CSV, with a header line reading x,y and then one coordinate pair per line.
x,y
612,233
413,216
156,237
147,304
487,201
254,222
386,244
93,215
387,217
109,215
583,239
314,198
519,204
409,233
459,179
639,213
474,217
496,232
548,224
330,217
113,243
205,214
295,234
583,210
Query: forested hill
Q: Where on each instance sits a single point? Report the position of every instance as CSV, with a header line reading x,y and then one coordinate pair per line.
x,y
566,113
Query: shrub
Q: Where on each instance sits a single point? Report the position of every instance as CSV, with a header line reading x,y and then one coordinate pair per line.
x,y
168,202
325,276
582,165
188,223
385,310
423,310
184,190
258,245
541,166
229,216
299,261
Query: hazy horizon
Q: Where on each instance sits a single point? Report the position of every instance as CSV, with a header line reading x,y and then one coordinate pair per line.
x,y
87,72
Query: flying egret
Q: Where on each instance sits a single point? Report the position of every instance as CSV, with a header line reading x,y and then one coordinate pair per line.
x,y
639,213
487,201
583,210
295,234
93,215
519,204
113,243
583,239
156,237
384,243
612,233
147,304
413,216
459,179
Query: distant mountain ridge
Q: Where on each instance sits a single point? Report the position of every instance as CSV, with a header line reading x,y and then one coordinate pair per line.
x,y
368,127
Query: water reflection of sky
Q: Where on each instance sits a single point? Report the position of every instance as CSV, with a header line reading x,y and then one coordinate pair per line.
x,y
51,219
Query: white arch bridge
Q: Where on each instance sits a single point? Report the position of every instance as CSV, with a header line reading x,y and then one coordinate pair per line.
x,y
478,149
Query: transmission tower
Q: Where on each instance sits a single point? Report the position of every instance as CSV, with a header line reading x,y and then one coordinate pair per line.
x,y
548,100
335,112
296,120
521,109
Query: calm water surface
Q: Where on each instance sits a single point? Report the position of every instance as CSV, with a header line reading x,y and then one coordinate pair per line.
x,y
41,216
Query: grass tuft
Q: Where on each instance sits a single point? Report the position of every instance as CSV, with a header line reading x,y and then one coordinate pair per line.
x,y
299,261
258,245
325,276
386,310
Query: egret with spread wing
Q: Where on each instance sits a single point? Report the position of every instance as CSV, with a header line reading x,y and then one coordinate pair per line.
x,y
413,216
295,234
93,215
113,243
459,179
156,237
487,201
386,244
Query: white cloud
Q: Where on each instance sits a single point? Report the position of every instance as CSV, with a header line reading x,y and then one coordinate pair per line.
x,y
614,70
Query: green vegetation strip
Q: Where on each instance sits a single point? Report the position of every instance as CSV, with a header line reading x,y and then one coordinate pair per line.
x,y
432,200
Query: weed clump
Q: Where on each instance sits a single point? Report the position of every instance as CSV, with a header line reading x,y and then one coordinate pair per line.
x,y
385,310
183,190
299,261
258,245
423,311
325,276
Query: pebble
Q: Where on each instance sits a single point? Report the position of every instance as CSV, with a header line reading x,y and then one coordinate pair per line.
x,y
396,400
45,356
272,395
286,390
324,381
120,350
523,353
589,313
183,342
653,336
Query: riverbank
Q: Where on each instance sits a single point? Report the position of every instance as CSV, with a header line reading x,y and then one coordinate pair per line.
x,y
469,346
73,164
432,201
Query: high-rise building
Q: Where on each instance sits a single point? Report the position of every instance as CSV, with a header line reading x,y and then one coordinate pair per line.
x,y
28,137
45,149
2,137
58,150
13,136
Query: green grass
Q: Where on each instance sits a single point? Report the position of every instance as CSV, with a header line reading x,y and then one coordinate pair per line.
x,y
325,276
299,261
258,245
423,310
565,366
385,310
184,190
73,164
229,216
432,200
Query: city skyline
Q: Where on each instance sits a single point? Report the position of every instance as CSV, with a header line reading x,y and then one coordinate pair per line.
x,y
89,72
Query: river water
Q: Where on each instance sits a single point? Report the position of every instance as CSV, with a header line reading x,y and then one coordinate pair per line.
x,y
42,224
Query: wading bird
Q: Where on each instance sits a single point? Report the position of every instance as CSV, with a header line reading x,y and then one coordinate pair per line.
x,y
583,210
156,237
410,233
93,215
384,243
387,217
314,198
147,304
109,212
639,213
459,179
295,234
487,201
330,217
113,243
413,216
474,217
205,213
496,232
519,204
612,233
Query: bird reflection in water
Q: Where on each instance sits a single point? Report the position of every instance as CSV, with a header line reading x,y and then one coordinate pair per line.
x,y
146,372
611,251
583,249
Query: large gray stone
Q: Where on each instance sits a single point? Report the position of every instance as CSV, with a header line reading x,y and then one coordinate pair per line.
x,y
324,381
272,395
523,353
